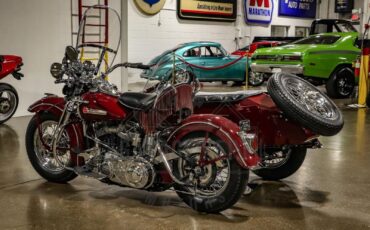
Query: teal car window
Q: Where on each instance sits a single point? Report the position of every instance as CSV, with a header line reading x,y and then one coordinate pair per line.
x,y
211,51
193,52
318,40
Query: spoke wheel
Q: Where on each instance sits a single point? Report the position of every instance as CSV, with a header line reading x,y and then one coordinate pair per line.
x,y
256,79
214,180
8,102
50,167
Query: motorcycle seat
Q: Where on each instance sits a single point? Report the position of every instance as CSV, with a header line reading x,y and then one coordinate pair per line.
x,y
137,101
223,97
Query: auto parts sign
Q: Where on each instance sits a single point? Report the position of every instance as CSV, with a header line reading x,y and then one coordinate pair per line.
x,y
258,11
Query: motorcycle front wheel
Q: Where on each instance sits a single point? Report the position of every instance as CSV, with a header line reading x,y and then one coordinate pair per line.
x,y
214,187
38,145
8,102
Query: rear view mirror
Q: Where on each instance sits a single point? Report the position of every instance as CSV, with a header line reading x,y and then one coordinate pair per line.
x,y
71,53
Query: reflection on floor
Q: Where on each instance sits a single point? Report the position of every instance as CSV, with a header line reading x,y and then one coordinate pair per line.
x,y
330,191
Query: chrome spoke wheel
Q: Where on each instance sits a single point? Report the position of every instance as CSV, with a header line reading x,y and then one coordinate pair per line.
x,y
276,159
311,98
256,78
43,144
208,180
8,104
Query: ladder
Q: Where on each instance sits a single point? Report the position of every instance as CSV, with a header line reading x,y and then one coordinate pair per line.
x,y
96,28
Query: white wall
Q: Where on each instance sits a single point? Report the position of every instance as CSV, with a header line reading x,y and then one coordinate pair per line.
x,y
38,31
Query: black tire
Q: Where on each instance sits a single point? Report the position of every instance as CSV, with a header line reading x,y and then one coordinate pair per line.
x,y
255,83
368,100
224,82
293,108
227,198
288,168
63,176
9,88
341,83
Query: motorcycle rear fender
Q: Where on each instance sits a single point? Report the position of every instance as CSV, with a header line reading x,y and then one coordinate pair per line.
x,y
221,127
55,105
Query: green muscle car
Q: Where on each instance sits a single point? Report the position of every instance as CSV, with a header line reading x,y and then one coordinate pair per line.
x,y
322,59
203,54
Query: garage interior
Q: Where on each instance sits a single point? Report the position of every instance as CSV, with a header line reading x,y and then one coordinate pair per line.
x,y
329,191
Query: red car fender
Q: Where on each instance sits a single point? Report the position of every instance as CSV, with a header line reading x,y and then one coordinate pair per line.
x,y
55,105
221,127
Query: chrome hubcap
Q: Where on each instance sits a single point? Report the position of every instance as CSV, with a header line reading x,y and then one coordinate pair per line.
x,y
256,78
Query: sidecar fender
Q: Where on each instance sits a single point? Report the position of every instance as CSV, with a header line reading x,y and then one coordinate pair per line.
x,y
221,127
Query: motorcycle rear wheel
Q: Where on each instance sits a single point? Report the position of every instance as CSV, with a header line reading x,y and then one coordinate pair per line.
x,y
206,197
42,159
11,100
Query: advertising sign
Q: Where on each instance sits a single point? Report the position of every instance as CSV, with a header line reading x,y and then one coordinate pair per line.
x,y
215,10
343,6
258,11
298,8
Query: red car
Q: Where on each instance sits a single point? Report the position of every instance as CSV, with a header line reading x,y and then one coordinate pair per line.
x,y
250,49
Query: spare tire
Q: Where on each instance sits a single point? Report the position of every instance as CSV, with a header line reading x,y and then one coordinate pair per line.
x,y
301,101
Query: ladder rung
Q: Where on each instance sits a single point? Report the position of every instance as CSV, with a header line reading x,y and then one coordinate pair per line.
x,y
89,59
87,34
97,25
91,52
94,42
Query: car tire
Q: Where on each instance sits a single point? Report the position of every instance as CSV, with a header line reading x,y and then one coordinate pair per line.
x,y
341,83
224,82
293,162
368,100
286,91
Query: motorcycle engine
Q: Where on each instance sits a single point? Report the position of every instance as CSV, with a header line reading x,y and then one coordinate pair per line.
x,y
135,172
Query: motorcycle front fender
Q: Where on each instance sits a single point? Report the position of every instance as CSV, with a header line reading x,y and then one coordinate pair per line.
x,y
55,105
221,127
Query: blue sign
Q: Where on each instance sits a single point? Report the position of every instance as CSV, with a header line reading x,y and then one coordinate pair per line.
x,y
297,8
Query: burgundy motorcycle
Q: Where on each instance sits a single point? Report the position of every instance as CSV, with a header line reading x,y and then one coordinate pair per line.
x,y
149,141
9,64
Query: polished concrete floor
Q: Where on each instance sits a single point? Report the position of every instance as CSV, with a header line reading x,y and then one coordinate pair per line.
x,y
330,191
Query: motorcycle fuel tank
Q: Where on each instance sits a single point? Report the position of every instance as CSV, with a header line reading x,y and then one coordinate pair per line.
x,y
102,107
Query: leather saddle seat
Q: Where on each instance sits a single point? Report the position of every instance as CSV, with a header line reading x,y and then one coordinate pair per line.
x,y
138,101
223,97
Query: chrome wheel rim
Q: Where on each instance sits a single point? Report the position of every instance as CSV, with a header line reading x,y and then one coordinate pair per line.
x,y
216,176
8,104
345,86
182,77
311,98
45,157
277,159
256,78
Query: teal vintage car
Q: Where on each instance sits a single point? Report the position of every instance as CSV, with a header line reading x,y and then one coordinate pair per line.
x,y
204,54
322,59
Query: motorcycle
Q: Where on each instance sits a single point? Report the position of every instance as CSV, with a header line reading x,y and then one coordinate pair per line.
x,y
149,141
9,64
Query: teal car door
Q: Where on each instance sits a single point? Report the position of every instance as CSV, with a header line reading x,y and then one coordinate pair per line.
x,y
192,56
213,56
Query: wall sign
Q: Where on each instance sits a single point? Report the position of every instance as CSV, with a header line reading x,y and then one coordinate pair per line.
x,y
150,7
343,6
258,11
298,8
215,10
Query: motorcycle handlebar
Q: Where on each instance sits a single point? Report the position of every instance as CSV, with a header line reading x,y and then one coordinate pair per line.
x,y
129,65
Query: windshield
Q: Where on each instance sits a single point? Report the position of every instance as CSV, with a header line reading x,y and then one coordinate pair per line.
x,y
318,40
99,36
